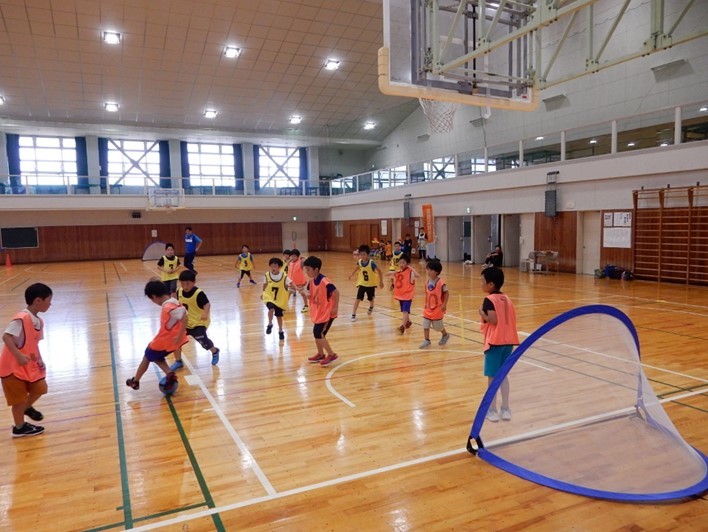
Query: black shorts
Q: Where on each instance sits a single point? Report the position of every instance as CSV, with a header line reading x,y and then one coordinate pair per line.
x,y
171,285
277,311
370,292
320,330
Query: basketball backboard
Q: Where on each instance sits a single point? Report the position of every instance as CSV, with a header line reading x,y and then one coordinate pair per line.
x,y
425,49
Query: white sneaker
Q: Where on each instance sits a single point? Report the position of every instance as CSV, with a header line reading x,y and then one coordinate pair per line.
x,y
444,339
425,344
506,414
492,415
353,318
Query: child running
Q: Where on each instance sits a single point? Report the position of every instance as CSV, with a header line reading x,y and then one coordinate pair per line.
x,y
500,336
22,369
395,257
436,298
244,262
171,336
324,300
198,308
297,276
275,295
369,277
404,288
169,269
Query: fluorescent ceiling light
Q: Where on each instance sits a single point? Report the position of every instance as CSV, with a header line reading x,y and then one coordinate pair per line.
x,y
232,51
2,100
631,144
703,109
332,64
210,113
593,141
111,107
663,144
111,37
369,125
539,138
295,119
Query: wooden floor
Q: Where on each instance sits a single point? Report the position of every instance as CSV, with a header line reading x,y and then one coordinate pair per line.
x,y
266,441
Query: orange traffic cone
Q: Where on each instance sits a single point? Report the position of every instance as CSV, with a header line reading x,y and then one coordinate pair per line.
x,y
8,262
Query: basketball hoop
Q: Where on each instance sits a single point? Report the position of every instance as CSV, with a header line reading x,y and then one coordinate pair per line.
x,y
440,114
165,199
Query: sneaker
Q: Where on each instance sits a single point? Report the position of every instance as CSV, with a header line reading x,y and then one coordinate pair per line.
x,y
34,415
326,361
27,430
371,309
401,329
215,357
132,383
492,415
305,308
444,339
505,414
177,364
238,285
269,329
390,287
353,318
317,358
408,324
252,281
281,335
425,344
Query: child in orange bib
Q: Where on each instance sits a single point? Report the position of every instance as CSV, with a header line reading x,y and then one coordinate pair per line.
x,y
404,288
324,306
436,298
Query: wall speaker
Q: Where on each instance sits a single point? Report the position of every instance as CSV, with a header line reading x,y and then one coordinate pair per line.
x,y
551,203
136,214
407,209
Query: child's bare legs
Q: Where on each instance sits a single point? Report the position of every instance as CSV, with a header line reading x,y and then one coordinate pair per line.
x,y
426,334
142,368
356,306
280,322
163,366
178,354
271,311
303,294
406,319
323,345
505,388
18,410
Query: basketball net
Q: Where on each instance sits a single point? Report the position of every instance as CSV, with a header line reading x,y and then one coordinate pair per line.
x,y
440,114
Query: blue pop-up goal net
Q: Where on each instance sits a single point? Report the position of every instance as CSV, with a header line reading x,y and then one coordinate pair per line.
x,y
584,417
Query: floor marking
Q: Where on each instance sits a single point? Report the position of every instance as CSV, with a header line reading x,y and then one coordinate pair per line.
x,y
123,266
232,432
10,278
192,380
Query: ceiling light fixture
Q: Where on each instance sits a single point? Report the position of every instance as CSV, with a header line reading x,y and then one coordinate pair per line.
x,y
539,138
631,144
703,109
664,144
593,141
332,64
369,125
210,113
111,37
2,100
232,51
295,119
111,107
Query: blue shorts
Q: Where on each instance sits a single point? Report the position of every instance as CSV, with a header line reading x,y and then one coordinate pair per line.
x,y
406,305
494,357
155,356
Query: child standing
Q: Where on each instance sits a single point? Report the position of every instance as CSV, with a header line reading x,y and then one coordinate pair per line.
x,y
171,336
169,268
403,289
395,257
22,369
324,300
500,336
436,298
369,277
297,276
244,262
198,308
275,295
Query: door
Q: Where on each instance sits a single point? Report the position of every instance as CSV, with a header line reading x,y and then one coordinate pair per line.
x,y
482,239
295,236
454,239
589,241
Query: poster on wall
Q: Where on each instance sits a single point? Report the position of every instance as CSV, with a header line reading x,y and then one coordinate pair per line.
x,y
384,227
617,237
607,220
622,219
429,222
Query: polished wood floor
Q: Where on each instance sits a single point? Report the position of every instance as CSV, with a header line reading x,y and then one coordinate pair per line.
x,y
266,441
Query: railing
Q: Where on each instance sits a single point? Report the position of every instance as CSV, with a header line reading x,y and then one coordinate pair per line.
x,y
650,130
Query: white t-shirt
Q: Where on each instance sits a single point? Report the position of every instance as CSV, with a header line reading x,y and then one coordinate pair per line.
x,y
16,330
176,314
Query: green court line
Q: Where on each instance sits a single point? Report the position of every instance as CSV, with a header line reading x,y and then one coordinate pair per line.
x,y
686,389
132,310
105,280
23,282
691,406
116,269
127,511
148,517
195,465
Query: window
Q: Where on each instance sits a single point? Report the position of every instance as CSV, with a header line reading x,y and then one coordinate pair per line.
x,y
134,162
279,167
339,229
48,160
442,168
211,165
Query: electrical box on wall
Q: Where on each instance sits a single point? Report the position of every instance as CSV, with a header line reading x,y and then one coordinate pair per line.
x,y
136,214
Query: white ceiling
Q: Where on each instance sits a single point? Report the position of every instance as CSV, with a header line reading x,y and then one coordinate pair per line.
x,y
55,69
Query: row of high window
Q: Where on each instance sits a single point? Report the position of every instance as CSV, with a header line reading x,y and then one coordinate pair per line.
x,y
53,161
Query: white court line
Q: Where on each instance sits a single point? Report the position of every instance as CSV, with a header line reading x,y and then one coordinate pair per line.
x,y
123,265
355,476
10,278
196,379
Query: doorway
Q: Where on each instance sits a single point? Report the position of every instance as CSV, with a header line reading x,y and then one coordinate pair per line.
x,y
295,236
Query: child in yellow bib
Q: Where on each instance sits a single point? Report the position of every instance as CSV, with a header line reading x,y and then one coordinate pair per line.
x,y
169,269
275,295
244,262
369,277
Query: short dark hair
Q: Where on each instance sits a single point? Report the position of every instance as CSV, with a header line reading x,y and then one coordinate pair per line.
x,y
494,275
313,262
364,249
37,290
406,257
187,275
188,228
396,243
169,245
434,265
276,260
287,252
156,289
245,246
295,252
